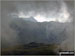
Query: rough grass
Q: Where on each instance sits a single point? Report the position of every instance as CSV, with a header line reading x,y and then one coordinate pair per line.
x,y
41,50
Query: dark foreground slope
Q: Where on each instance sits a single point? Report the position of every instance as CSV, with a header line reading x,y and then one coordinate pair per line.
x,y
31,49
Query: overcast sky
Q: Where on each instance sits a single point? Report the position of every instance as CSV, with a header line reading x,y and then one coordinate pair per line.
x,y
41,10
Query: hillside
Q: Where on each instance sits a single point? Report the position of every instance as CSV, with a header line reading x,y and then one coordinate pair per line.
x,y
31,49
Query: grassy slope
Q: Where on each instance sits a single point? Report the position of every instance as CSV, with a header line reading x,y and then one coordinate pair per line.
x,y
46,49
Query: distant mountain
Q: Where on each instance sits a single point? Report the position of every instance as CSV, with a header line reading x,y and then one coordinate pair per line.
x,y
45,32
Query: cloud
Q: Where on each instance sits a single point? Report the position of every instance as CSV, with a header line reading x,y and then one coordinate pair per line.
x,y
58,10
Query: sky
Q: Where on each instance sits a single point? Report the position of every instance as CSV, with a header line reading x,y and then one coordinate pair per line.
x,y
41,10
48,11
